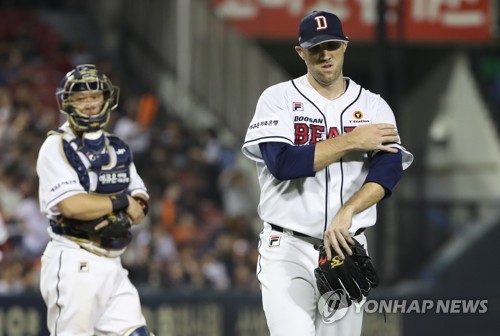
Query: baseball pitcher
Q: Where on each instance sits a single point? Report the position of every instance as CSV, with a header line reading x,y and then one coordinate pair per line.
x,y
326,152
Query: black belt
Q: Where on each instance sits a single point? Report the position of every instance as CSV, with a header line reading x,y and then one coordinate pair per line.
x,y
295,233
298,234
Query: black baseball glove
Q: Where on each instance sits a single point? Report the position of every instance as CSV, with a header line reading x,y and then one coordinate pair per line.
x,y
350,279
116,234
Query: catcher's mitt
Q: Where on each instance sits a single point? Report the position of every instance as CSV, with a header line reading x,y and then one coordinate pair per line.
x,y
116,234
350,279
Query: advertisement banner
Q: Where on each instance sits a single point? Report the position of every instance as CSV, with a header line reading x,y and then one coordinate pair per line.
x,y
422,20
167,314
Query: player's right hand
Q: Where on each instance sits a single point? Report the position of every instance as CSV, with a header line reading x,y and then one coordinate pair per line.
x,y
336,237
134,211
375,137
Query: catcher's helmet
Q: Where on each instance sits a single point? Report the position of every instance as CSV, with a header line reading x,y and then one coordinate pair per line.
x,y
86,77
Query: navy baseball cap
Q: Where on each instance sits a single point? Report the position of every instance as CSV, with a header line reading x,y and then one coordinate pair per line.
x,y
319,27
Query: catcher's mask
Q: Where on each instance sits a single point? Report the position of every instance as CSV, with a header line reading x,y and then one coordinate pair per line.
x,y
86,77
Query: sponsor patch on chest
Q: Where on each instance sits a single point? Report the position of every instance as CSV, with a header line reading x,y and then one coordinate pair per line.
x,y
359,117
113,177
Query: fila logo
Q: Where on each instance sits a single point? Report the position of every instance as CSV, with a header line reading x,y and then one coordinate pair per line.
x,y
274,241
298,106
83,267
320,22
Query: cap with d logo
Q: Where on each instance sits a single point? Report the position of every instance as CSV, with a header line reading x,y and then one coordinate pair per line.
x,y
319,27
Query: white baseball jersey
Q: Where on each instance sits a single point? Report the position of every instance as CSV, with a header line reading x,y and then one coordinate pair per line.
x,y
86,293
295,113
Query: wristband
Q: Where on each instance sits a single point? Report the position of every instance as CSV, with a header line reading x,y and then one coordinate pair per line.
x,y
119,202
143,203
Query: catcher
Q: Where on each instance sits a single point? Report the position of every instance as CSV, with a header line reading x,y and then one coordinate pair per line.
x,y
91,193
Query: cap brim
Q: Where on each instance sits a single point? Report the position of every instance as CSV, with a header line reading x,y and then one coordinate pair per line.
x,y
322,38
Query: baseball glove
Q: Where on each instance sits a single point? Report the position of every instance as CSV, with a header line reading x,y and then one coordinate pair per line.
x,y
350,279
116,234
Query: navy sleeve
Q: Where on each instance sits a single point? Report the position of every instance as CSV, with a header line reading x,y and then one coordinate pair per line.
x,y
287,162
385,169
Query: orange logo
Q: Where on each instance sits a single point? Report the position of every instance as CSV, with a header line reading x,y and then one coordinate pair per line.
x,y
358,115
322,260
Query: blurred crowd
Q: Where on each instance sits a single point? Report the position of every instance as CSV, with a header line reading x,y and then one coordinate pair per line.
x,y
202,229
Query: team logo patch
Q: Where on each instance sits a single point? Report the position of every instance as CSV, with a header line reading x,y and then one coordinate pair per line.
x,y
83,266
321,22
298,106
358,115
274,241
336,261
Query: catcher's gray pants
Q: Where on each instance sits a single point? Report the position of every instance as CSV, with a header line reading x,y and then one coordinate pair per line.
x,y
290,297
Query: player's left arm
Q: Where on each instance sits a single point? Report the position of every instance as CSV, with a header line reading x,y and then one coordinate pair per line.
x,y
137,209
384,114
384,172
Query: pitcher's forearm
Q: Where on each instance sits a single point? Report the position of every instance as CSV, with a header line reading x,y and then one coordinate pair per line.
x,y
331,150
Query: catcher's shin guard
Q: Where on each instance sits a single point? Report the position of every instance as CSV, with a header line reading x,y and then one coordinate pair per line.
x,y
141,331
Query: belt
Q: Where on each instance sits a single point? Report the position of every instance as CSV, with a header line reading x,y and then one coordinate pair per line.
x,y
298,234
295,233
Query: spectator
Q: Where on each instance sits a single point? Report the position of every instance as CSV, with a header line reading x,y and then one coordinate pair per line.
x,y
236,198
33,224
127,128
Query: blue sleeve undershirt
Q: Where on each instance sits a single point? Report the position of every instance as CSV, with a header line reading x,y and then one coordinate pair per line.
x,y
385,169
287,162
